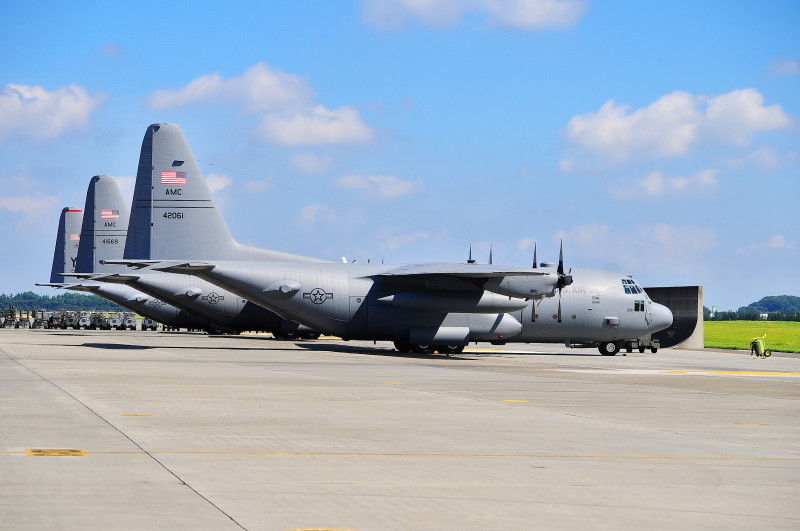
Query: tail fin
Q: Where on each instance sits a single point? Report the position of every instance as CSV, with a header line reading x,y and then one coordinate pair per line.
x,y
174,215
67,240
105,226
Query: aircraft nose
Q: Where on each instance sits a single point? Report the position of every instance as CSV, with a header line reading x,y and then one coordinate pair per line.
x,y
662,317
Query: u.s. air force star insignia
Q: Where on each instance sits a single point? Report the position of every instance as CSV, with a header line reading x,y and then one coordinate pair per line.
x,y
156,303
213,298
318,295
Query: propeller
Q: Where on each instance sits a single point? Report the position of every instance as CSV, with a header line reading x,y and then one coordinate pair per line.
x,y
563,279
470,260
490,255
535,263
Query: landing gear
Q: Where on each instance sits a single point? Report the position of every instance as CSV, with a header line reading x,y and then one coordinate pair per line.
x,y
609,349
405,347
402,346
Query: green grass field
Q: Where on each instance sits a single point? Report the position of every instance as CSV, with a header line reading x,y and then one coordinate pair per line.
x,y
782,336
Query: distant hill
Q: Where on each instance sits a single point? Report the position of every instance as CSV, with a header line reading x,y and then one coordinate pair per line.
x,y
777,308
65,301
776,303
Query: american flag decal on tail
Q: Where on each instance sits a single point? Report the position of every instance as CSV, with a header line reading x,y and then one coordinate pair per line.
x,y
173,177
109,214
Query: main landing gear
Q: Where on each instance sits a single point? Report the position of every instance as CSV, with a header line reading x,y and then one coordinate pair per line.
x,y
609,349
406,347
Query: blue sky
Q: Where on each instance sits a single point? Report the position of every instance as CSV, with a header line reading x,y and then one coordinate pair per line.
x,y
657,139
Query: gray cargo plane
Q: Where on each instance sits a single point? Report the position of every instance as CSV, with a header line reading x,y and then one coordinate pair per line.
x,y
79,237
416,306
199,297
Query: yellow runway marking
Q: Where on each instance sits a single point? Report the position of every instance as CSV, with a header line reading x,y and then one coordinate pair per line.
x,y
55,452
422,454
514,400
748,424
735,373
393,383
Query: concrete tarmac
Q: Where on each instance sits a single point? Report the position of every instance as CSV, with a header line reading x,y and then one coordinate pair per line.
x,y
158,430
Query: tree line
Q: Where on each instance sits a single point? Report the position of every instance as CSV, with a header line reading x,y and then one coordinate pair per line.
x,y
777,308
65,301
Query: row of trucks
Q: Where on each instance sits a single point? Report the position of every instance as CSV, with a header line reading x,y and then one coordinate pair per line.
x,y
13,318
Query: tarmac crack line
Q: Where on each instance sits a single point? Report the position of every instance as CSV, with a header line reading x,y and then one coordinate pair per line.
x,y
137,445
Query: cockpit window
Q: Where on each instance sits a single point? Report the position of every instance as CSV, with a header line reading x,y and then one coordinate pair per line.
x,y
631,287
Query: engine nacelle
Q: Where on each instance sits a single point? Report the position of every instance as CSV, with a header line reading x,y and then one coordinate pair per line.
x,y
524,287
452,301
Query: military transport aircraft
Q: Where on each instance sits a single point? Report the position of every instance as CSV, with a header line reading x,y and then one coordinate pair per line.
x,y
222,311
76,240
416,306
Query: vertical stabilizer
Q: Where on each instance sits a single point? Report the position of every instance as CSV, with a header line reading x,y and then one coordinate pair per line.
x,y
173,215
67,240
104,228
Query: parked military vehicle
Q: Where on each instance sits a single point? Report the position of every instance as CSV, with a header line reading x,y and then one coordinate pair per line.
x,y
149,324
69,320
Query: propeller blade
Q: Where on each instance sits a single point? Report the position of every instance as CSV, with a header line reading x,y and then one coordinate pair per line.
x,y
470,260
563,279
535,263
490,255
559,306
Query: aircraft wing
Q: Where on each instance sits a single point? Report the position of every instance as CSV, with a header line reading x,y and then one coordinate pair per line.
x,y
170,266
72,287
136,264
465,271
78,275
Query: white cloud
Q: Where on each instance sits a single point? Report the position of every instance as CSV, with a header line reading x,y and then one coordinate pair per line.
x,y
671,126
259,89
310,163
776,241
310,214
32,207
258,187
217,181
535,14
521,14
784,67
126,187
113,49
734,118
679,249
36,112
656,184
765,159
282,102
397,241
316,126
384,186
525,243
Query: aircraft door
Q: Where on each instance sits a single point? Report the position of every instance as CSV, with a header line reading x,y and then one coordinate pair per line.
x,y
358,314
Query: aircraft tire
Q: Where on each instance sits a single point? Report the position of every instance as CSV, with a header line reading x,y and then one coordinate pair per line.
x,y
609,349
421,349
450,349
653,350
641,350
402,346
